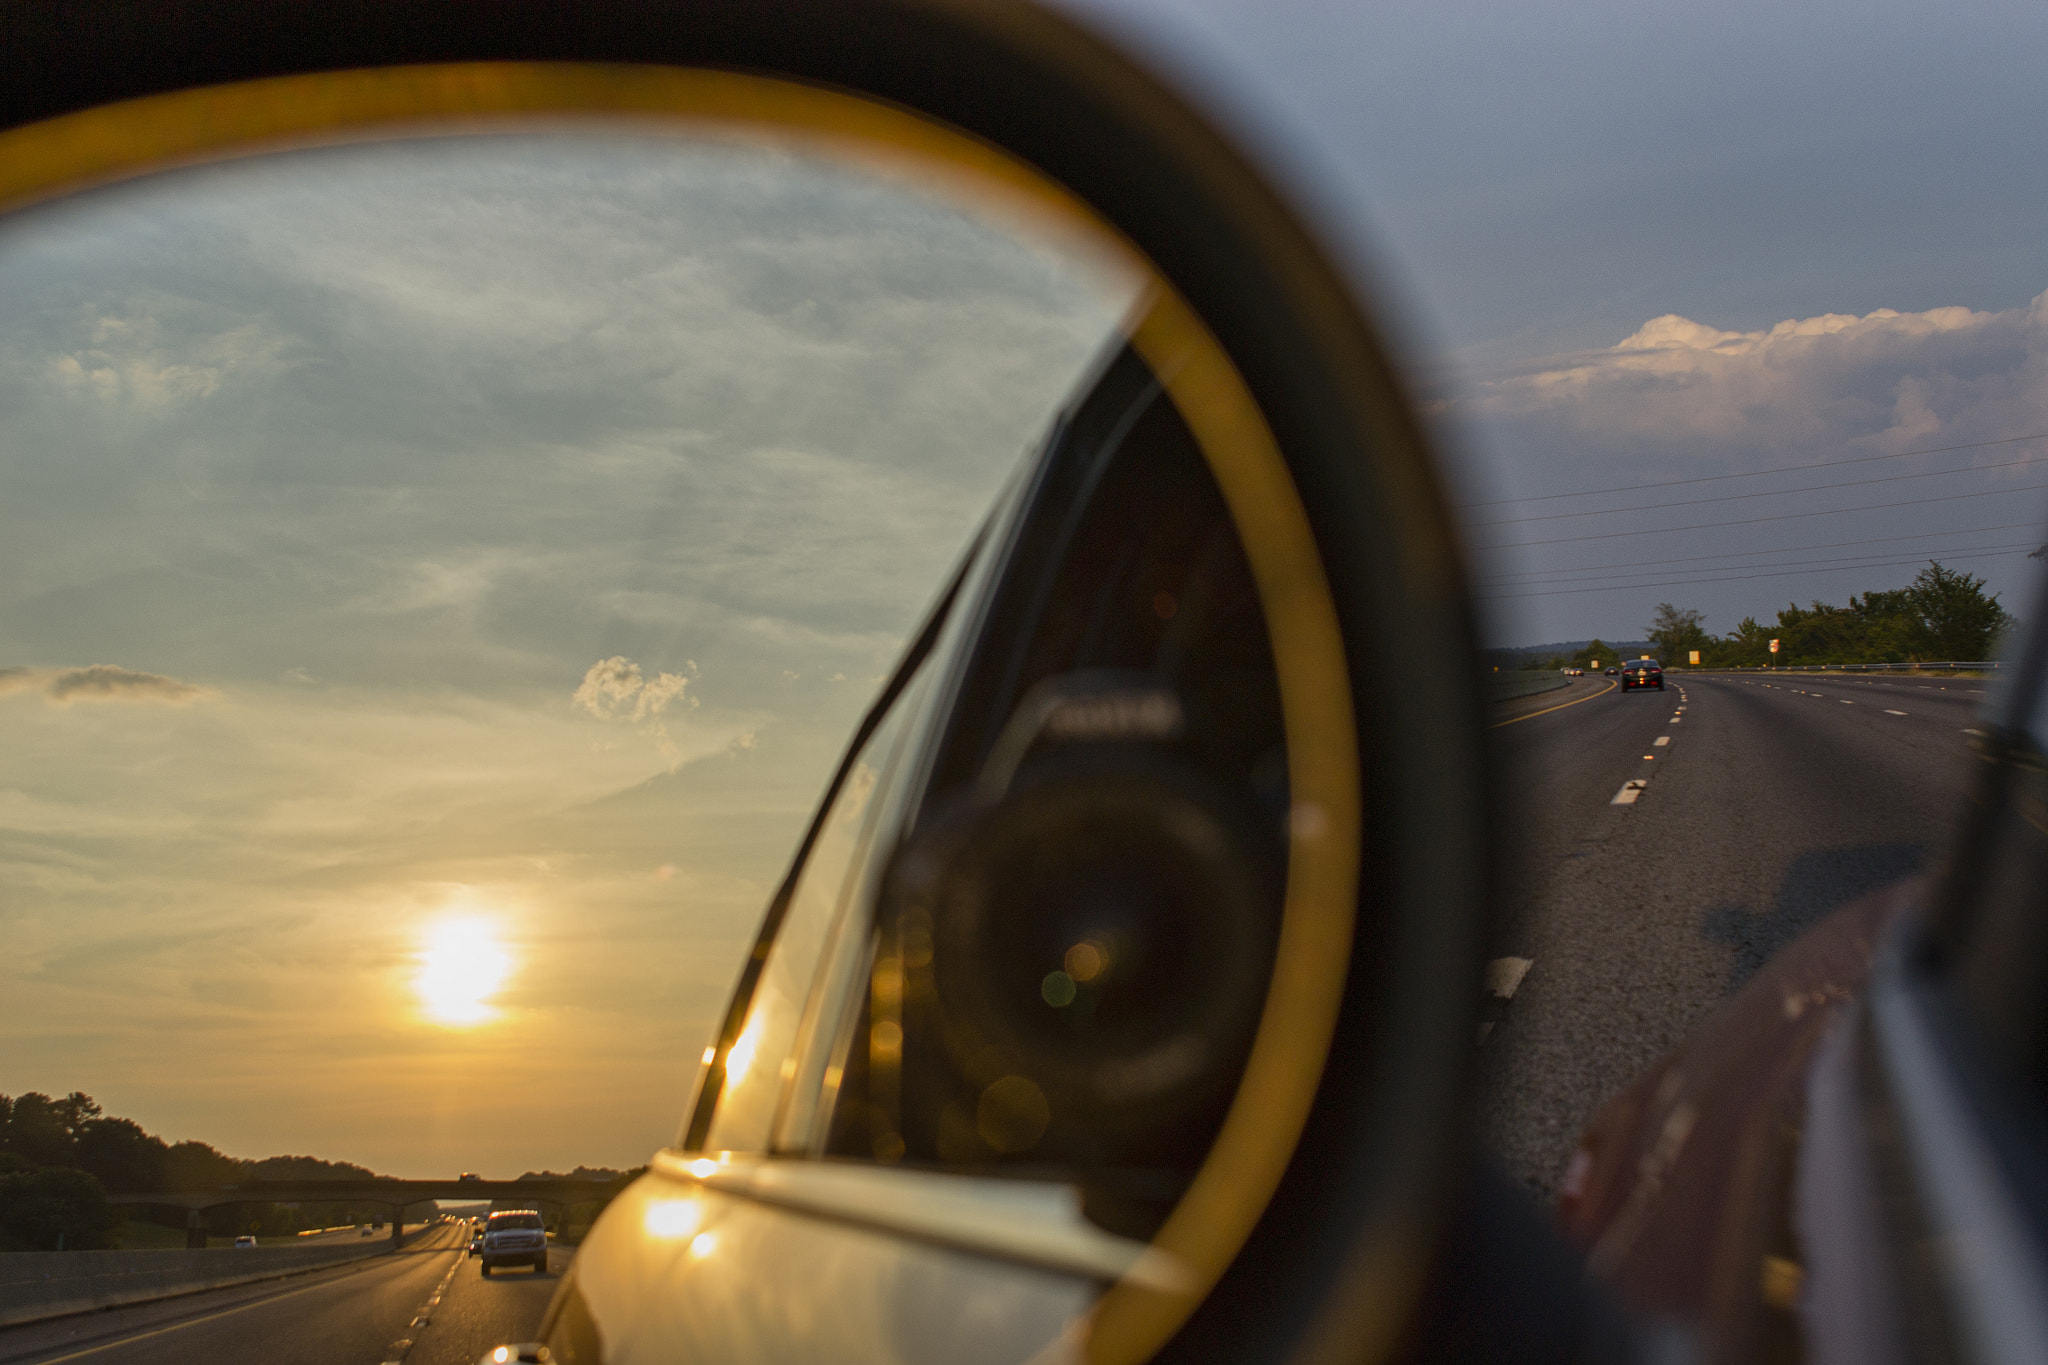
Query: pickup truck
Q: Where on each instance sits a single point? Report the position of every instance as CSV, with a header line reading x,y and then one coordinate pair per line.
x,y
515,1237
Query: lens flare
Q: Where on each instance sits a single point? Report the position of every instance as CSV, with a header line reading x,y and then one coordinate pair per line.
x,y
463,965
672,1219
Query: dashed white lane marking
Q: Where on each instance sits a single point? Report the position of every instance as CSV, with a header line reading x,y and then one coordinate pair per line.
x,y
1890,712
1660,741
395,1353
1978,733
1504,976
1847,702
1630,790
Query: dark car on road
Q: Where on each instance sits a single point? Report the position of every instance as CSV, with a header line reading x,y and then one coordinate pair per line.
x,y
1639,674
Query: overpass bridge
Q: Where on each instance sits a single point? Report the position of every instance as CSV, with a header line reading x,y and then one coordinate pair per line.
x,y
396,1195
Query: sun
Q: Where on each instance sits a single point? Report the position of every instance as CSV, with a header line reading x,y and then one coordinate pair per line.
x,y
462,966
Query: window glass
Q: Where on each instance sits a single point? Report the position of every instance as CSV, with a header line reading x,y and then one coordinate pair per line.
x,y
762,1061
1128,573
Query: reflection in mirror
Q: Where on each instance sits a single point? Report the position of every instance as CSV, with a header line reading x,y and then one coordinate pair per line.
x,y
436,580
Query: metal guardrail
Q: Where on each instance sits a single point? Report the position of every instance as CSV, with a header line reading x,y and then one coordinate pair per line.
x,y
1987,666
1520,683
35,1285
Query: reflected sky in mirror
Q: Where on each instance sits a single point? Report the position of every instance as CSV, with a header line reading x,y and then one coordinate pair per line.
x,y
436,579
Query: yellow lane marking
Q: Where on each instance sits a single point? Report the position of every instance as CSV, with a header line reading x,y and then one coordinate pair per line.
x,y
1548,709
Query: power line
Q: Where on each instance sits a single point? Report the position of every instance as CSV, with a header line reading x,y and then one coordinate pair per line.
x,y
1767,493
1753,521
1732,578
1846,561
1756,473
1791,549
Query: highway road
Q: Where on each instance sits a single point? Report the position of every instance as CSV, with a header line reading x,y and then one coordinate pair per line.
x,y
1764,803
425,1304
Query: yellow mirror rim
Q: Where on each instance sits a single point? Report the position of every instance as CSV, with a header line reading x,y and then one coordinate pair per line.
x,y
61,156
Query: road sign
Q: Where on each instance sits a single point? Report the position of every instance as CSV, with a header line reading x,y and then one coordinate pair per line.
x,y
1774,646
1695,656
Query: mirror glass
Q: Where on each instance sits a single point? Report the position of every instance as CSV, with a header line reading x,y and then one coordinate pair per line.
x,y
437,580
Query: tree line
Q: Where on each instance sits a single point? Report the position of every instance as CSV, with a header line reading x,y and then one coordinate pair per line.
x,y
60,1158
1942,616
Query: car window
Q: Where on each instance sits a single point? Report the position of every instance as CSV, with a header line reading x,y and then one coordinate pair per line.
x,y
762,1060
1128,574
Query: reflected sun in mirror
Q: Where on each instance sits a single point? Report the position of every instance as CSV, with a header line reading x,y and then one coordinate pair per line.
x,y
462,967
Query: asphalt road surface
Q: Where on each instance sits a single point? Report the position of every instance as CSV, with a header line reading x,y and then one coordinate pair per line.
x,y
425,1304
1764,803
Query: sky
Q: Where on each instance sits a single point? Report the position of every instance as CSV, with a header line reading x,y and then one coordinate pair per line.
x,y
1561,211
435,582
435,579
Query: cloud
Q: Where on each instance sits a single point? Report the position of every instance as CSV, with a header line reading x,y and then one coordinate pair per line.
x,y
134,358
1822,403
99,682
614,689
447,584
1888,380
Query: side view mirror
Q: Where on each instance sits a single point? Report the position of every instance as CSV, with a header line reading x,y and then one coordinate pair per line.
x,y
1119,1002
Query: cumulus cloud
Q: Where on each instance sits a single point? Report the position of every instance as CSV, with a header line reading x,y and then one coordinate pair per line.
x,y
99,682
614,689
1888,379
1897,436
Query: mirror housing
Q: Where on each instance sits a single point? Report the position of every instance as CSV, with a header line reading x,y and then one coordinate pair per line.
x,y
1349,1146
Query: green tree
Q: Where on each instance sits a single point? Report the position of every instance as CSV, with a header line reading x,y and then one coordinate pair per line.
x,y
1746,646
54,1208
121,1155
1600,653
1956,619
197,1166
1676,632
43,1130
